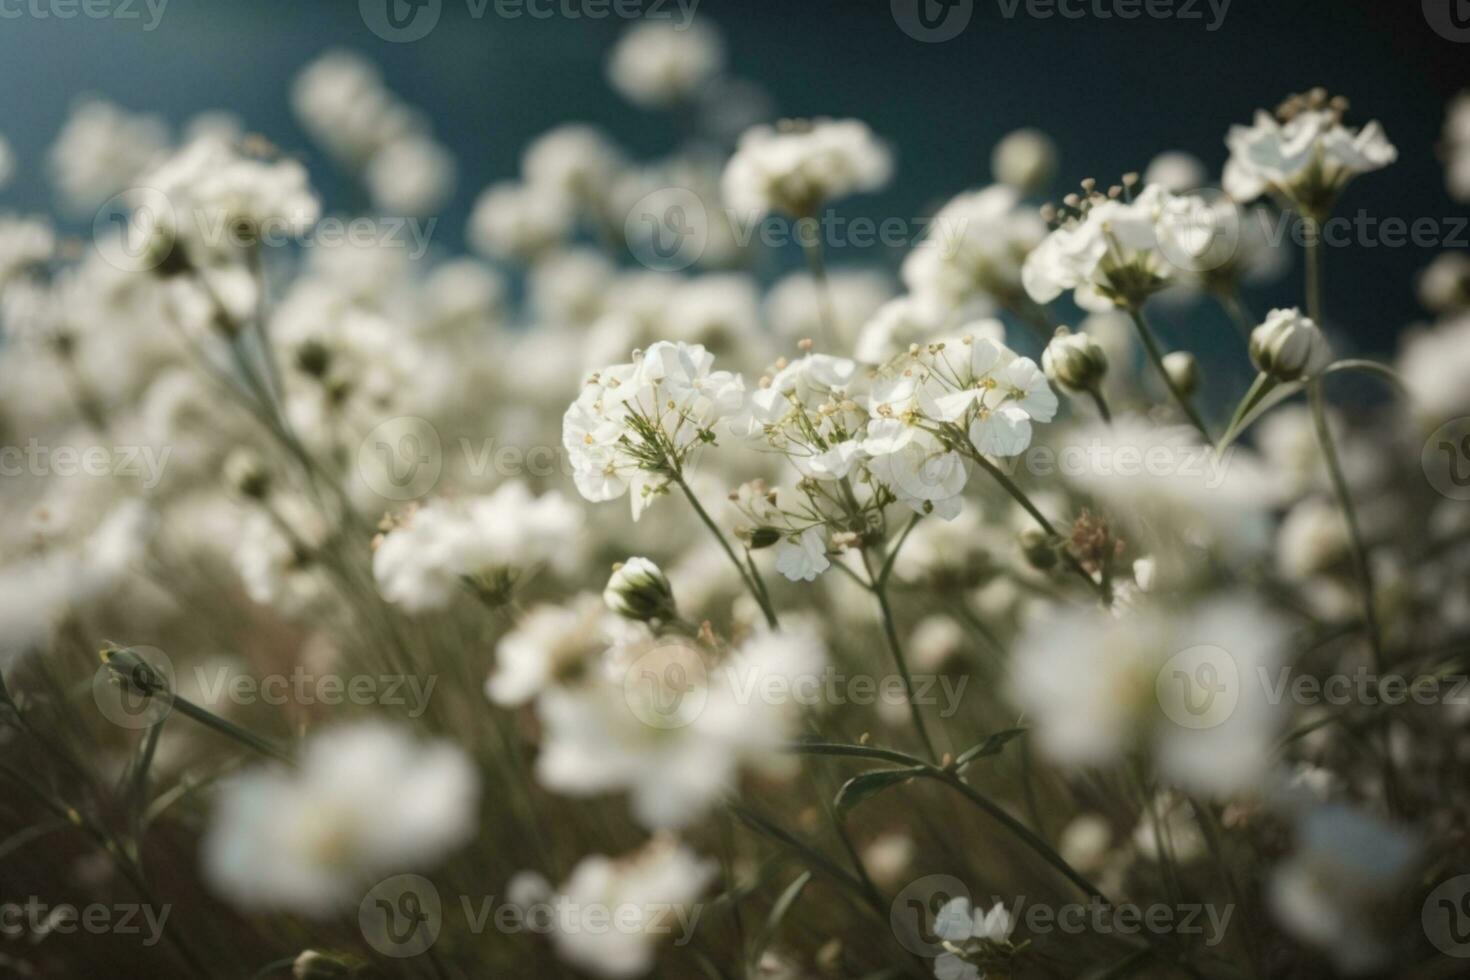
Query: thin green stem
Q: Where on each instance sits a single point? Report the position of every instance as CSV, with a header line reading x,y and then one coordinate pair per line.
x,y
1156,356
1314,269
817,263
1046,525
755,589
1239,315
1102,404
879,588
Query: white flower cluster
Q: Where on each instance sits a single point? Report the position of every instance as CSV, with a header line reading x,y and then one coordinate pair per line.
x,y
635,424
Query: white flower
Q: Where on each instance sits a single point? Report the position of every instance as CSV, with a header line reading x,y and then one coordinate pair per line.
x,y
341,101
639,590
574,161
102,150
1097,684
25,243
1074,361
555,644
367,800
802,557
518,221
641,894
895,325
635,424
1435,364
798,166
673,728
1457,146
974,249
426,561
1347,868
1024,159
1308,156
1177,172
656,64
275,558
412,176
957,922
1108,253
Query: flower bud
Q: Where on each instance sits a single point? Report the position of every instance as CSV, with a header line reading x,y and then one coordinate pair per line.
x,y
1289,346
639,590
1074,361
1183,371
756,538
315,965
1025,160
246,472
1039,548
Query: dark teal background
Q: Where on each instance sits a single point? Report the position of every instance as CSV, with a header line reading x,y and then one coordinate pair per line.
x,y
1112,93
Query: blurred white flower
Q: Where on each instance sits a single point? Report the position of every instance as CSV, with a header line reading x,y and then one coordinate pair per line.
x,y
25,243
485,542
1176,171
103,150
575,161
410,176
799,165
1344,874
1024,159
641,893
674,729
657,63
1457,147
518,221
793,309
1189,684
1435,364
1304,153
974,250
556,645
340,99
367,800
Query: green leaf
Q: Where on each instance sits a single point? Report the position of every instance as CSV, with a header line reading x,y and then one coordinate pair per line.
x,y
869,784
990,746
778,912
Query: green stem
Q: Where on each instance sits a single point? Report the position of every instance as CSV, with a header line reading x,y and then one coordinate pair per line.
x,y
1102,404
1156,356
817,263
879,588
1314,269
1239,315
755,590
1020,497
